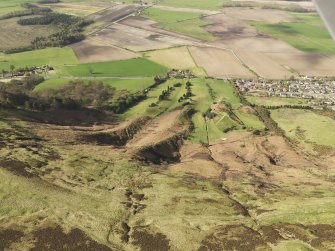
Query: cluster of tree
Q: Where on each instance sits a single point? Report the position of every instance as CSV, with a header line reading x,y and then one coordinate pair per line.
x,y
16,92
51,18
73,96
24,71
124,102
158,81
210,114
165,93
188,93
211,92
269,123
62,38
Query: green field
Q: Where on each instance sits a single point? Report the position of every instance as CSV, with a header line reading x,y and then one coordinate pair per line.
x,y
251,121
307,33
199,4
124,68
306,126
275,101
7,6
186,23
51,56
131,84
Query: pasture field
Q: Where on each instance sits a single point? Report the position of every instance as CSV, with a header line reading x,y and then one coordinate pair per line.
x,y
198,4
7,6
251,121
123,68
307,33
187,23
51,56
275,101
131,84
306,126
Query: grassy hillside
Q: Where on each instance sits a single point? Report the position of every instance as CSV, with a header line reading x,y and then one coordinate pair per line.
x,y
306,126
124,68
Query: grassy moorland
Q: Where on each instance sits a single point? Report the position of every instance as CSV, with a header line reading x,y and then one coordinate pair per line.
x,y
186,23
83,167
307,33
55,172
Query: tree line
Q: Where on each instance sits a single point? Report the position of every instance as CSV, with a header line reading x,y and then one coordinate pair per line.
x,y
75,95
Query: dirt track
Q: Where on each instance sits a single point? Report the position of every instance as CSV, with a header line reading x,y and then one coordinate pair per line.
x,y
157,130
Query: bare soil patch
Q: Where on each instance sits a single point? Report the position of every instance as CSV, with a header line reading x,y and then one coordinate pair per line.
x,y
118,135
9,236
16,167
147,241
225,27
160,140
54,238
137,39
93,50
113,13
196,159
234,238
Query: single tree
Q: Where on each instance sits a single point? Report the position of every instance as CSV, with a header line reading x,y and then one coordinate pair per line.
x,y
12,68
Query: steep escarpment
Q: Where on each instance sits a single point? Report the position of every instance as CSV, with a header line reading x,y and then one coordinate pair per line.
x,y
119,135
